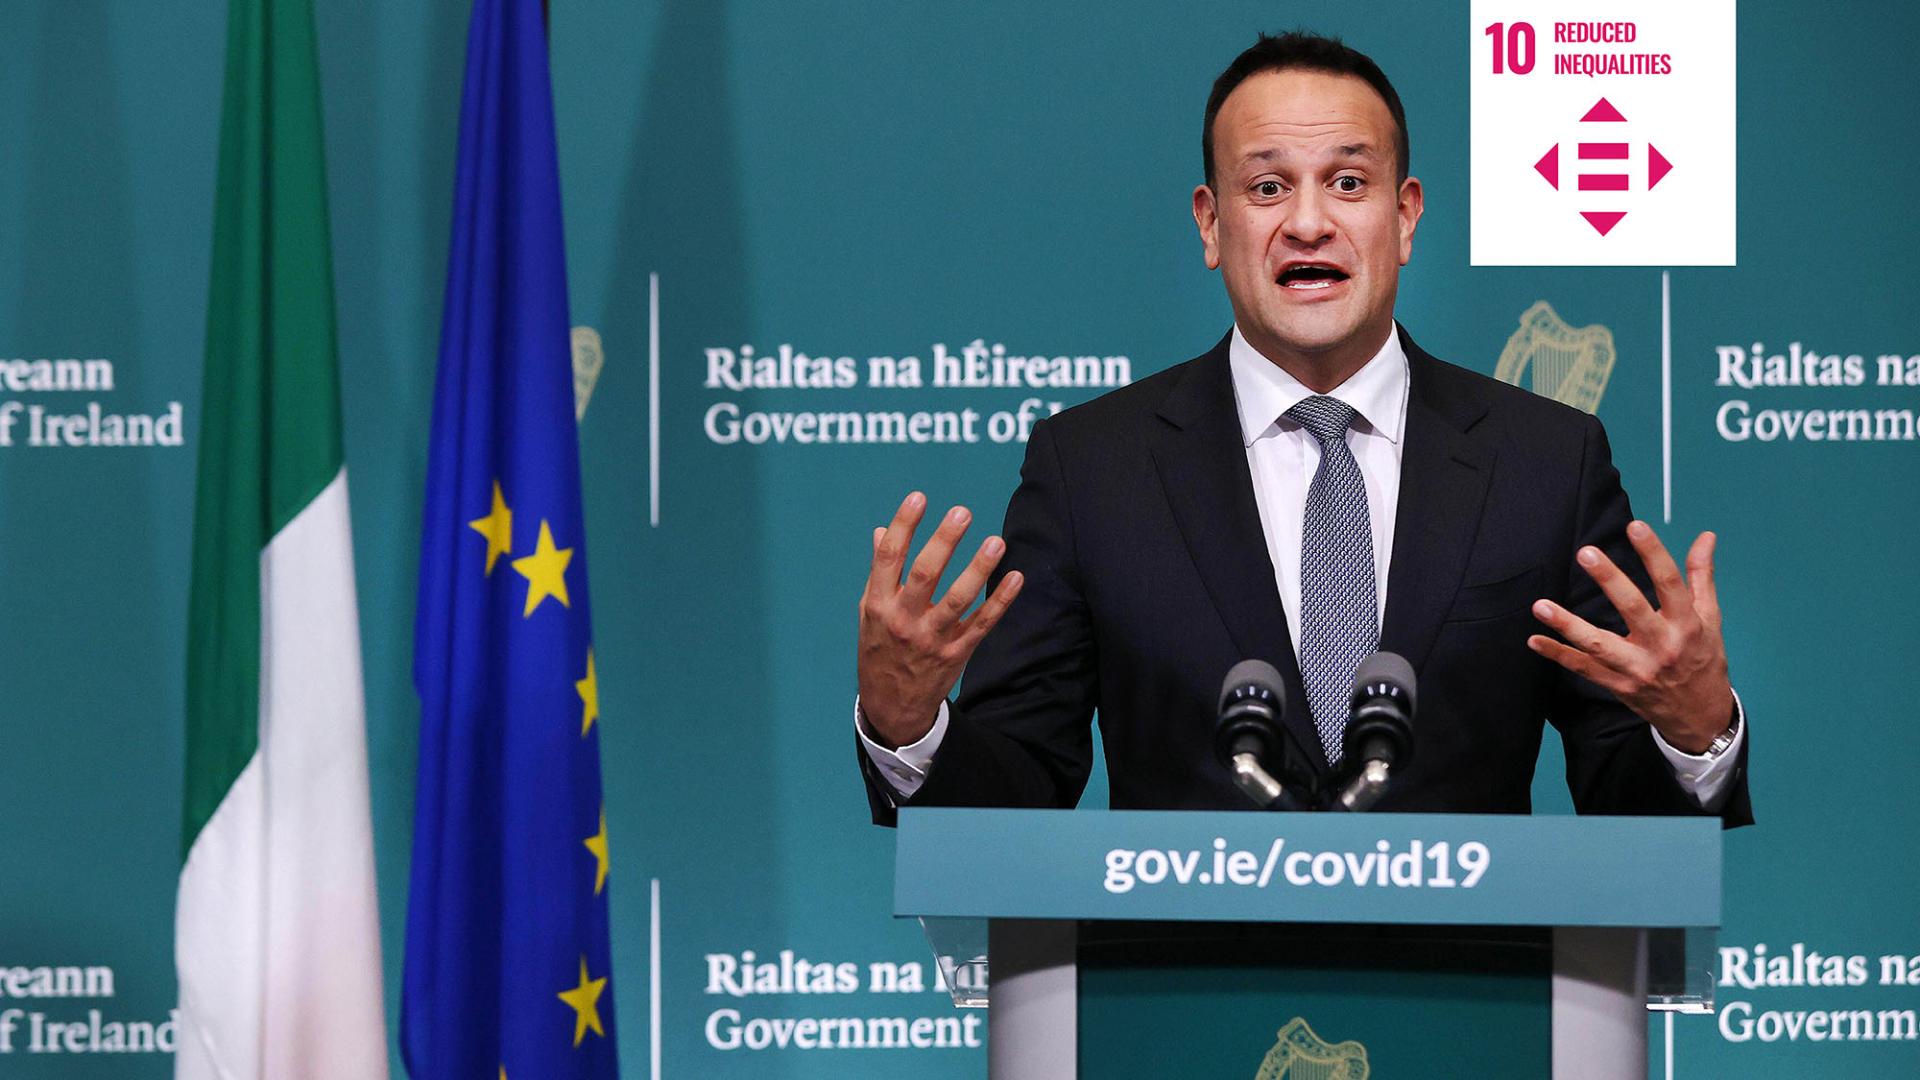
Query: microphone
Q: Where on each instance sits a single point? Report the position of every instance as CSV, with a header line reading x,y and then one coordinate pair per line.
x,y
1380,733
1250,738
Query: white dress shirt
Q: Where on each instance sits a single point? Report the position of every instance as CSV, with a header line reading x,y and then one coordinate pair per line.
x,y
1282,457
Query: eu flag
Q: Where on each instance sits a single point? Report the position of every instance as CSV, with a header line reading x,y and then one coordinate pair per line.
x,y
507,967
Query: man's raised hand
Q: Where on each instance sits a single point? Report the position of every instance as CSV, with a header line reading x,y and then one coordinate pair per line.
x,y
912,648
1671,668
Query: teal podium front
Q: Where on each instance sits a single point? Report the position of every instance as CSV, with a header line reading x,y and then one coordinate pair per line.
x,y
1314,946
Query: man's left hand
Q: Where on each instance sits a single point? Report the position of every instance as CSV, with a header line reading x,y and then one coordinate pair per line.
x,y
1671,668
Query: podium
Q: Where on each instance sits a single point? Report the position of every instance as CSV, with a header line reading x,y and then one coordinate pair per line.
x,y
1313,946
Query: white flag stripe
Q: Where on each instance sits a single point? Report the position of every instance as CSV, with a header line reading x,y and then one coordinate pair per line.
x,y
216,938
277,933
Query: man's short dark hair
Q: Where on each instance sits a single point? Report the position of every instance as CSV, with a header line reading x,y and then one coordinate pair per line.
x,y
1312,52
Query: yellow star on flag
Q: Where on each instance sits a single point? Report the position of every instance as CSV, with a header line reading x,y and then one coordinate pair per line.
x,y
497,527
585,1002
545,571
597,844
589,691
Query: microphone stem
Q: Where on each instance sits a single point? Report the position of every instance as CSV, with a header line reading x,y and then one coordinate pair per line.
x,y
1259,785
1366,788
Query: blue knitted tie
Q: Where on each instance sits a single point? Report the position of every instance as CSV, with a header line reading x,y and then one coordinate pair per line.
x,y
1339,623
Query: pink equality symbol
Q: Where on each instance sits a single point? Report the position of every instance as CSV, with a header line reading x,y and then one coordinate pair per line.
x,y
1612,177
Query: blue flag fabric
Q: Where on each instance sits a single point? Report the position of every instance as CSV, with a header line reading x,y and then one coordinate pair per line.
x,y
507,962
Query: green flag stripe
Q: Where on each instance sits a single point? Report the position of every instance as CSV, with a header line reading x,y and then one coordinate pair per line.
x,y
270,402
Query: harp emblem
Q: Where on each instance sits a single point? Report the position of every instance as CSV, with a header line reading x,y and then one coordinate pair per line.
x,y
1555,360
1302,1055
588,359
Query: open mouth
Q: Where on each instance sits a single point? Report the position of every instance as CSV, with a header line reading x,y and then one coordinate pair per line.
x,y
1307,277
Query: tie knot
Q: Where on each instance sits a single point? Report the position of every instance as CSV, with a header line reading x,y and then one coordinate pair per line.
x,y
1326,418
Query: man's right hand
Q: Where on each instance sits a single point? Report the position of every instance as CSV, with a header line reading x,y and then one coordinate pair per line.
x,y
913,649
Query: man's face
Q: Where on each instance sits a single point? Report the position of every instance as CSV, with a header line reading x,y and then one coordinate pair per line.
x,y
1304,220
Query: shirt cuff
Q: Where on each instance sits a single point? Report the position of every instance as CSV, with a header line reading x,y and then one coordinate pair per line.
x,y
904,768
1707,779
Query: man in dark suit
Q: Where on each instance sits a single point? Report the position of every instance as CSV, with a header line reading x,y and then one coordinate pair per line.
x,y
1314,486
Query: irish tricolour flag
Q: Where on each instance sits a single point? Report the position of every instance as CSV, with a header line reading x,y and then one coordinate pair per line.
x,y
277,938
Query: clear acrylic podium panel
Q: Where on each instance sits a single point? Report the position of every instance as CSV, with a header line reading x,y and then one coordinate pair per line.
x,y
1680,964
960,954
1680,968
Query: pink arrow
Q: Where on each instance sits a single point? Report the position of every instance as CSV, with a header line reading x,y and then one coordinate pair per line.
x,y
1657,166
1549,166
1603,220
1603,112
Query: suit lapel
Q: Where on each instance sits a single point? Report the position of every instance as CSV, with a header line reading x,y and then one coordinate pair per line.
x,y
1203,467
1443,487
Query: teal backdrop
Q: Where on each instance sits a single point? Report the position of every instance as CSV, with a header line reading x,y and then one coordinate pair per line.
x,y
881,179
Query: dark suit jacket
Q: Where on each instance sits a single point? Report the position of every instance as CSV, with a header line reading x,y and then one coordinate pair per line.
x,y
1148,577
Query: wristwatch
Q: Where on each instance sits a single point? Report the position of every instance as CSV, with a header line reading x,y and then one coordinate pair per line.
x,y
1725,739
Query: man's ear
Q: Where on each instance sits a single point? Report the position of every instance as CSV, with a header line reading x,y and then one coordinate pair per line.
x,y
1206,215
1413,202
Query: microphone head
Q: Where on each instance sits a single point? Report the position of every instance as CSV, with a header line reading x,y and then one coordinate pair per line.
x,y
1384,674
1252,700
1254,679
1381,727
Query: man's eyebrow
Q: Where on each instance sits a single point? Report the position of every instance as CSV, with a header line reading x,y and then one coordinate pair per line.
x,y
1348,150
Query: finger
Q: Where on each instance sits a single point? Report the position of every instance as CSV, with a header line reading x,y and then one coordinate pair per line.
x,y
890,553
987,615
1667,583
966,587
1604,645
1580,664
879,533
1625,596
1706,599
932,560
